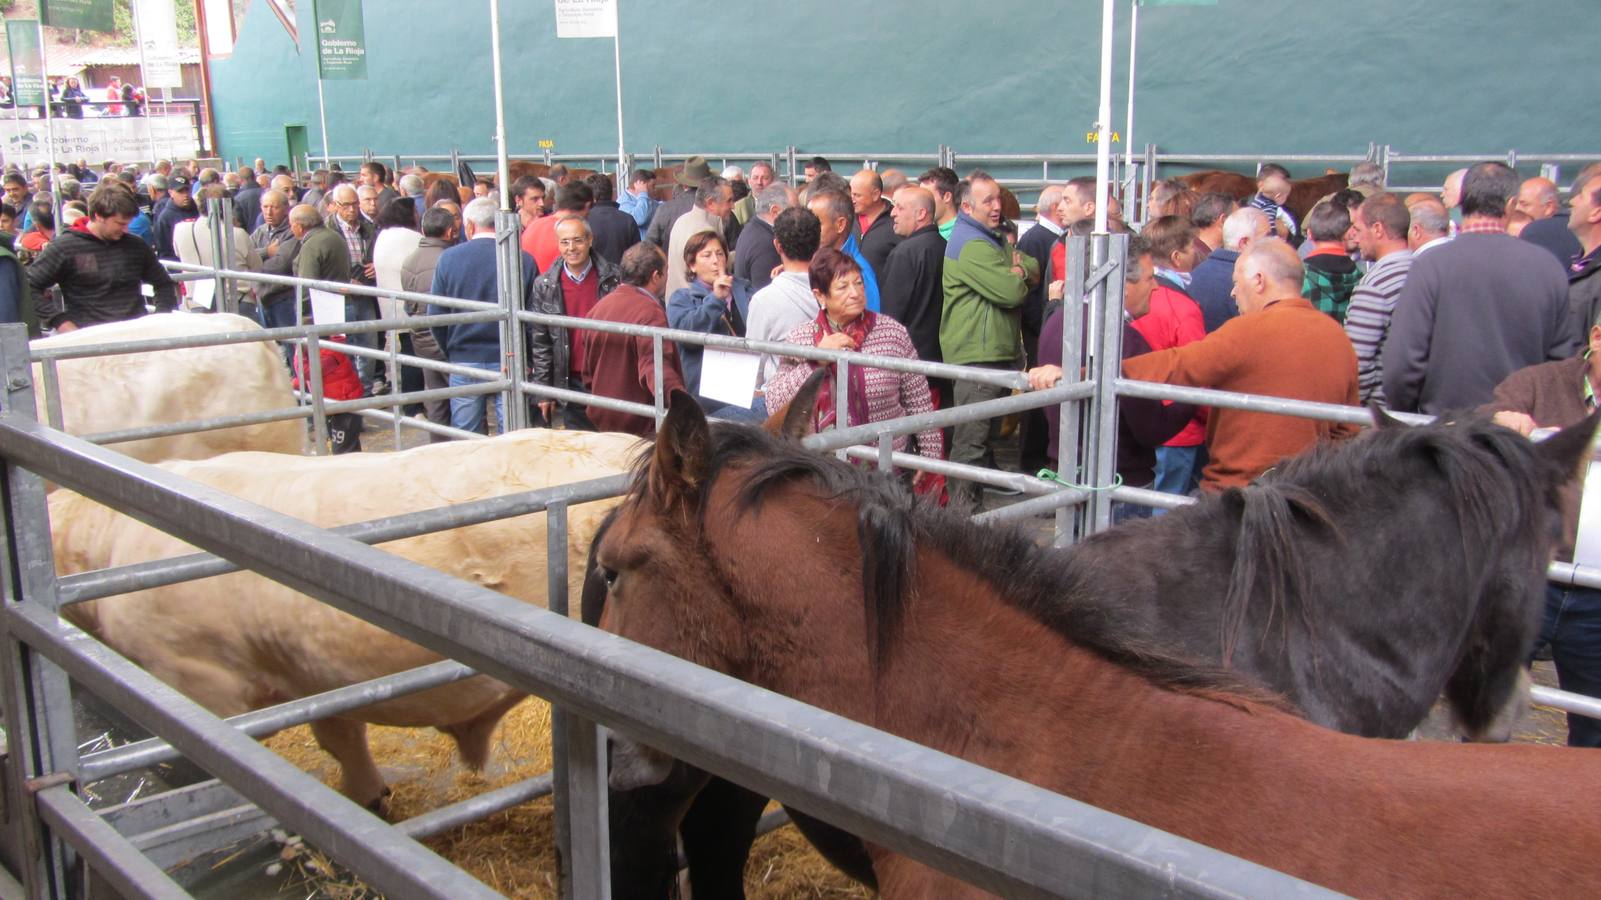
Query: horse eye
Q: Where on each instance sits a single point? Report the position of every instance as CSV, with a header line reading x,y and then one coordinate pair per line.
x,y
611,577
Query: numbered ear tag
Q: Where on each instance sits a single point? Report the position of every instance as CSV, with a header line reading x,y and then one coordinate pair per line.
x,y
147,290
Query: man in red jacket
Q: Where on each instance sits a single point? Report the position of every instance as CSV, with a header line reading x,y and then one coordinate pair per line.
x,y
622,366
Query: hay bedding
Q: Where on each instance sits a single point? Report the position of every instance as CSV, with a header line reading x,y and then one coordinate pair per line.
x,y
512,851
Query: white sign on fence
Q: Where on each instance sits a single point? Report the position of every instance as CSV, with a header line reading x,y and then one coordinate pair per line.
x,y
586,18
327,308
120,138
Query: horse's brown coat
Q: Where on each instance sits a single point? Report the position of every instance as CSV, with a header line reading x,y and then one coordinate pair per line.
x,y
785,611
1304,192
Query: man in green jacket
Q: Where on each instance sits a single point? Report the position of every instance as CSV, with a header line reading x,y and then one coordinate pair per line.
x,y
985,281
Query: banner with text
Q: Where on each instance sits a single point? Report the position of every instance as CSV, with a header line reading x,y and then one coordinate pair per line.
x,y
121,138
158,32
27,63
586,18
90,15
341,40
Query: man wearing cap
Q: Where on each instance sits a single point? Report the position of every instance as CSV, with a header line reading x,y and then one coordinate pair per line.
x,y
661,225
180,207
713,199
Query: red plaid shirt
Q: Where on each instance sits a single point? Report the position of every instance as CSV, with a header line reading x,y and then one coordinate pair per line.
x,y
1482,225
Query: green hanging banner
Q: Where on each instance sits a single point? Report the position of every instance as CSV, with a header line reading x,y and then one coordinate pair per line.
x,y
90,15
27,63
341,40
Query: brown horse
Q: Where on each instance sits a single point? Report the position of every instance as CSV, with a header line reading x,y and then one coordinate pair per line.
x,y
744,553
1304,192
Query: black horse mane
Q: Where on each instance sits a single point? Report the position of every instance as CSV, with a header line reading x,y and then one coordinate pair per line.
x,y
890,524
1481,467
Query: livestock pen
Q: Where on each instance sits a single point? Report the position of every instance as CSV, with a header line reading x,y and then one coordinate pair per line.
x,y
988,828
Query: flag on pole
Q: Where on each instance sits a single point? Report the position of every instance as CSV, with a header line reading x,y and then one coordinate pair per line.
x,y
90,15
341,40
586,18
27,64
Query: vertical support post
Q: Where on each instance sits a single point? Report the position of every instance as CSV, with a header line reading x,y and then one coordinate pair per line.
x,y
617,62
886,452
1384,162
52,394
322,115
657,362
393,368
1107,367
219,223
1133,58
41,734
509,274
49,121
1067,461
578,757
311,380
794,169
842,376
1148,177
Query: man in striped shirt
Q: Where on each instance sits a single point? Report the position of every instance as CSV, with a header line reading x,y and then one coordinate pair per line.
x,y
1381,228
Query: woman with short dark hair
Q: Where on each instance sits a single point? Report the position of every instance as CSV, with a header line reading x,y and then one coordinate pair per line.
x,y
845,323
714,302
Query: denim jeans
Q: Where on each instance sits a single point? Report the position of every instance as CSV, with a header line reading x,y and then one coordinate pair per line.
x,y
280,315
467,413
1572,626
1178,471
364,309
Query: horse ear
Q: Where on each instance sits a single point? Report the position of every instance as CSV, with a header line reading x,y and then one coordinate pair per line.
x,y
1382,419
683,452
797,420
1567,449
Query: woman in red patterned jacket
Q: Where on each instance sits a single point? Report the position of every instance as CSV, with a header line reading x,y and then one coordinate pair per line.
x,y
844,323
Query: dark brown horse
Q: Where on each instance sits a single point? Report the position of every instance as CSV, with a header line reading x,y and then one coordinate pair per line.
x,y
1304,192
747,554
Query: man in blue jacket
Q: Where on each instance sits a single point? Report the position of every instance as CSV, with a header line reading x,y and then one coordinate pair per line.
x,y
467,271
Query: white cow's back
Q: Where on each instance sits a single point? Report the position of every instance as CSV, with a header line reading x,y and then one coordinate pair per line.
x,y
238,642
112,393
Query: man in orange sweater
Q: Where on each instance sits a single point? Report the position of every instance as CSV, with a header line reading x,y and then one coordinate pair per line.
x,y
1279,345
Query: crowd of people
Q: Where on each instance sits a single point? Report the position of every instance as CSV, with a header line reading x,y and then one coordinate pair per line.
x,y
69,98
1480,298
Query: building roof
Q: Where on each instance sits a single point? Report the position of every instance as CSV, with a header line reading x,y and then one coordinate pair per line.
x,y
62,61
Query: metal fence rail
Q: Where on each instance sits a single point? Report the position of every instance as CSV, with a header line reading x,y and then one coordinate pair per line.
x,y
1009,837
1000,833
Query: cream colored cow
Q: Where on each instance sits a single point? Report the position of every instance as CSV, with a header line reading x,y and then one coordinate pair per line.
x,y
240,642
111,393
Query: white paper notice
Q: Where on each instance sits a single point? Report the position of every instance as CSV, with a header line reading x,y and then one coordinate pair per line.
x,y
203,293
729,376
327,308
586,18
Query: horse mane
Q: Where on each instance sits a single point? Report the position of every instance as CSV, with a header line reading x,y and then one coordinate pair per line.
x,y
891,523
1482,467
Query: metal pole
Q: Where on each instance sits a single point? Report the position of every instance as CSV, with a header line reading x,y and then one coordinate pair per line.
x,y
40,732
219,221
1072,360
502,166
1108,366
617,62
322,113
144,76
509,271
578,756
1133,38
49,125
1103,147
